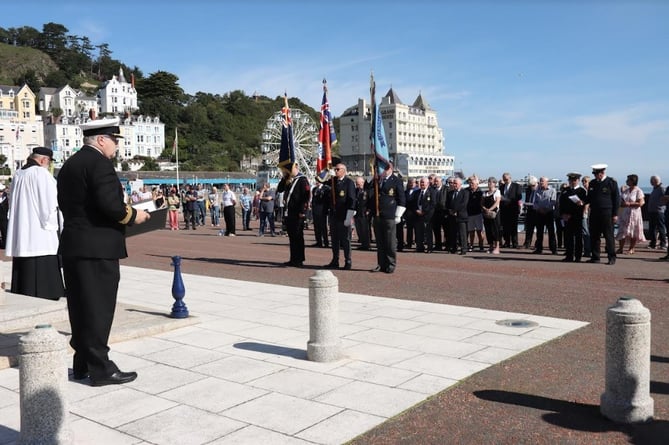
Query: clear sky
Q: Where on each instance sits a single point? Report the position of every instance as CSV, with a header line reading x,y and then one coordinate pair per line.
x,y
539,87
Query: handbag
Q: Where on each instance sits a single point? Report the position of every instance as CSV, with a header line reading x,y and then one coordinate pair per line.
x,y
490,214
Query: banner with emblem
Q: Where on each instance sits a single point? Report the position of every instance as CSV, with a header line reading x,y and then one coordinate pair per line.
x,y
287,149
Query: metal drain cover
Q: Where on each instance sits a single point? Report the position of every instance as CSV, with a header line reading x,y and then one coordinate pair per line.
x,y
517,323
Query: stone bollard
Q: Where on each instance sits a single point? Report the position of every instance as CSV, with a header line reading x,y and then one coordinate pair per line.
x,y
626,398
324,344
42,379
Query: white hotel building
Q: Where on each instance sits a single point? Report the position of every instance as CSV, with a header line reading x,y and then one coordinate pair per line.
x,y
142,135
415,140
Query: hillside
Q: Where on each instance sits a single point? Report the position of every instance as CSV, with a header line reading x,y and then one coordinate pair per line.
x,y
15,61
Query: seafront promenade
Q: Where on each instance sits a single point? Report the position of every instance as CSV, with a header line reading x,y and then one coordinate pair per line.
x,y
540,385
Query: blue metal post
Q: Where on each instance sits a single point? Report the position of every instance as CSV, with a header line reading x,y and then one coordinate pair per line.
x,y
179,309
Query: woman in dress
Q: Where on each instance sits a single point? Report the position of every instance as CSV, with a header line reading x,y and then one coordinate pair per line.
x,y
173,202
490,209
630,222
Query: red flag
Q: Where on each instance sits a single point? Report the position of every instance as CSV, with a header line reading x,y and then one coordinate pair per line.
x,y
326,136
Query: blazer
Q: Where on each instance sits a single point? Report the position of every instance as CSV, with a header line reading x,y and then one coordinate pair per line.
x,y
428,202
90,196
456,206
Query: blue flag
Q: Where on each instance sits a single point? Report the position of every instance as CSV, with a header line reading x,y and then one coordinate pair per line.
x,y
378,136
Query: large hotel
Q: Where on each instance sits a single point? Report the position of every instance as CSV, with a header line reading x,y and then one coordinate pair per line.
x,y
63,110
415,140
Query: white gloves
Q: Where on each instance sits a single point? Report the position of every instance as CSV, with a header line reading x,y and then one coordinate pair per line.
x,y
349,217
399,211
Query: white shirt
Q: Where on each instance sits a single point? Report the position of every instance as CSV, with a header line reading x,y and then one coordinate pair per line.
x,y
32,227
228,198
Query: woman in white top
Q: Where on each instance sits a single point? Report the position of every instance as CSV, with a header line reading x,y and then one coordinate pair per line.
x,y
229,201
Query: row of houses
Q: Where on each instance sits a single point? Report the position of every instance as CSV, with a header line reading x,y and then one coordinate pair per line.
x,y
61,111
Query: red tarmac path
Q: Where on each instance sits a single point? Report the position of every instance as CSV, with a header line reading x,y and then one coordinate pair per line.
x,y
548,395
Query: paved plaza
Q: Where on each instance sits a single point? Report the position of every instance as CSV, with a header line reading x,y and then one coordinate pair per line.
x,y
238,373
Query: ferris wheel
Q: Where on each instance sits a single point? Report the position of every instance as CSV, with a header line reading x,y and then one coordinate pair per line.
x,y
305,135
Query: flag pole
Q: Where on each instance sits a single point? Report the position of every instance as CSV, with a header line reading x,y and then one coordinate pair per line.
x,y
375,161
176,151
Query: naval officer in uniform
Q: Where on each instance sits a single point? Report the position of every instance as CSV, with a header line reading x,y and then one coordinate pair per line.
x,y
93,240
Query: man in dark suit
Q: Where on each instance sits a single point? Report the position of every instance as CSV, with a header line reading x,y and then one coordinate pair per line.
x,y
456,208
509,210
439,220
341,216
604,199
296,192
409,218
92,242
361,213
321,195
425,205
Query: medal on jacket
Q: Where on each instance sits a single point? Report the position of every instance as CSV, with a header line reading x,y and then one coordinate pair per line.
x,y
341,193
391,192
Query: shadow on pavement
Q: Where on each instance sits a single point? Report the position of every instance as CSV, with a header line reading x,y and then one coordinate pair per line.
x,y
272,349
580,416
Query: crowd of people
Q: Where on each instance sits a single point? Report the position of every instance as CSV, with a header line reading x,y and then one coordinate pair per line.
x,y
454,215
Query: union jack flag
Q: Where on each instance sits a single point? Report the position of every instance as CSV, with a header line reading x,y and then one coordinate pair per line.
x,y
326,136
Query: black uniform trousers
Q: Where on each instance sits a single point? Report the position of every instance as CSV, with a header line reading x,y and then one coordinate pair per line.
x,y
341,238
573,238
295,230
509,219
321,227
601,223
362,229
92,285
410,221
386,243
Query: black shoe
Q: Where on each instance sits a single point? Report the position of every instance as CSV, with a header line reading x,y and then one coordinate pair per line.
x,y
332,265
316,245
390,269
376,269
537,251
347,266
117,378
568,260
664,258
611,261
463,252
594,260
79,375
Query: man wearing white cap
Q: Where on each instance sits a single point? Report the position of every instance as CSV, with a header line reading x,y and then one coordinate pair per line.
x,y
90,196
604,199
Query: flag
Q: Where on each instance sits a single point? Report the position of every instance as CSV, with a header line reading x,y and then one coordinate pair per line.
x,y
175,145
17,132
378,135
287,149
326,137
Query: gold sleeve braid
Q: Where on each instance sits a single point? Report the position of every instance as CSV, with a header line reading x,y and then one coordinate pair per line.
x,y
128,215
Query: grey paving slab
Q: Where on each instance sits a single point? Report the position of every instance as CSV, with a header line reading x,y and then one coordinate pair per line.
x,y
340,427
182,424
213,394
300,383
255,435
282,413
85,431
239,369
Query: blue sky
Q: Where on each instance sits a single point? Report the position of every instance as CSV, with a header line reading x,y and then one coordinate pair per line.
x,y
540,87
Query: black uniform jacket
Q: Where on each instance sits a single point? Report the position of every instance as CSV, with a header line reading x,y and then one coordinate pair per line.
x,y
457,205
90,196
344,197
297,202
391,195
